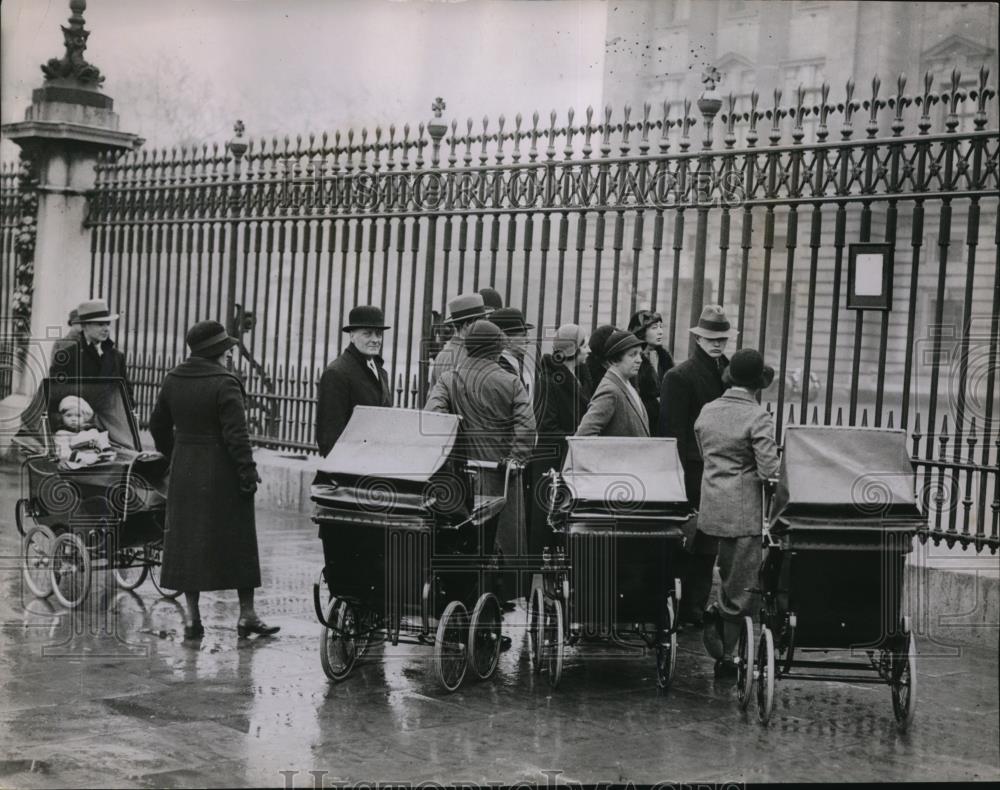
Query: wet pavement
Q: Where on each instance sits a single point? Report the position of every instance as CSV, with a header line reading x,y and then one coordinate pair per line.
x,y
110,696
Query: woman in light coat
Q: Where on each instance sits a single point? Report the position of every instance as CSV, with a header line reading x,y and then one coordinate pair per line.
x,y
736,438
616,408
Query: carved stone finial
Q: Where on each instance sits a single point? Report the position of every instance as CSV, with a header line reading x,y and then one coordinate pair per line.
x,y
711,77
238,146
72,64
438,107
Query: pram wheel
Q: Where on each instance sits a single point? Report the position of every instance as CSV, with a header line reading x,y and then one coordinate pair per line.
x,y
449,645
666,650
903,682
70,570
36,560
744,667
536,605
128,571
338,649
765,675
553,645
484,636
21,515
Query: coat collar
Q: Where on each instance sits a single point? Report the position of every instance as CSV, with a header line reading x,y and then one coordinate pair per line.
x,y
708,362
632,397
201,368
362,359
739,394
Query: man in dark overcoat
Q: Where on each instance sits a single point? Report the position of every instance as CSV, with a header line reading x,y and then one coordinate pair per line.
x,y
199,422
686,388
356,378
93,353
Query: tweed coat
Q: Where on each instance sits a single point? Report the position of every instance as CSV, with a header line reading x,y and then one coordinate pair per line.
x,y
648,383
448,358
347,382
736,438
613,411
497,417
686,388
199,422
497,423
78,359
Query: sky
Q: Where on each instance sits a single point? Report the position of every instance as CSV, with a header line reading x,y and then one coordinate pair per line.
x,y
189,69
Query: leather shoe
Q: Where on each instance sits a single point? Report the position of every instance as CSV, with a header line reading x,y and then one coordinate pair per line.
x,y
194,631
711,635
246,627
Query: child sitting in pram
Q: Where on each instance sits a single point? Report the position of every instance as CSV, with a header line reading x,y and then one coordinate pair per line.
x,y
78,442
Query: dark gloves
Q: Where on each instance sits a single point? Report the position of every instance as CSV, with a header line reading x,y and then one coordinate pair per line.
x,y
249,489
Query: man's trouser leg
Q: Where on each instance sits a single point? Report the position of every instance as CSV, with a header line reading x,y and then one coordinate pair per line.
x,y
697,562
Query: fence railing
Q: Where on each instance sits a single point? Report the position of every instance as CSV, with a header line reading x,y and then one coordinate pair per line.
x,y
585,218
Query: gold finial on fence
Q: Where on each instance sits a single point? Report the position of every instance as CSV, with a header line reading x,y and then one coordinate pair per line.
x,y
925,101
982,94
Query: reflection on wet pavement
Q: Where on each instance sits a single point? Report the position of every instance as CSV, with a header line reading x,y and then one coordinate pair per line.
x,y
111,695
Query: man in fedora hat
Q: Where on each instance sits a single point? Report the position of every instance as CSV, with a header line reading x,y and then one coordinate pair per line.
x,y
355,378
685,390
463,311
71,337
93,353
736,437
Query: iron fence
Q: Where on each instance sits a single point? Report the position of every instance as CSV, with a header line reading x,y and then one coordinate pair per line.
x,y
585,222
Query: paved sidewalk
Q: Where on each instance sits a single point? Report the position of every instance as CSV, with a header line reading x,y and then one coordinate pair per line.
x,y
110,696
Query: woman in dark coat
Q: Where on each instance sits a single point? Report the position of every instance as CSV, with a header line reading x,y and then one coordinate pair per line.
x,y
561,397
656,361
199,422
596,364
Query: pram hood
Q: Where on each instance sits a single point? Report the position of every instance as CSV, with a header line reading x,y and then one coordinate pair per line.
x,y
622,478
392,460
844,476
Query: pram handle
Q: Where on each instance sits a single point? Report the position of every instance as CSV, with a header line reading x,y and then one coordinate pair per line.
x,y
508,465
769,487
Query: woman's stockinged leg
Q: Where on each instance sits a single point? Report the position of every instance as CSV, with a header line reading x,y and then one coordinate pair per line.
x,y
193,606
246,604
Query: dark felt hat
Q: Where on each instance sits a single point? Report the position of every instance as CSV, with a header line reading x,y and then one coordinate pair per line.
x,y
510,319
747,369
491,298
619,342
642,320
209,339
366,316
484,340
598,338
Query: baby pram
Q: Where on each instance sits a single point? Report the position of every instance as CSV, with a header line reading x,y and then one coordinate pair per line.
x,y
841,521
616,510
109,513
412,556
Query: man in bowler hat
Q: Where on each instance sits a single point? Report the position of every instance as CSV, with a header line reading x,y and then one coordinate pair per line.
x,y
685,389
355,378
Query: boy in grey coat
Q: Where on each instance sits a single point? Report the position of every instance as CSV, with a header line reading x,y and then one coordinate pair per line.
x,y
736,438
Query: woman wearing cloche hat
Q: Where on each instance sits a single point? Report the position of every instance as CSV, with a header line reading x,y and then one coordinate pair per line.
x,y
616,408
199,422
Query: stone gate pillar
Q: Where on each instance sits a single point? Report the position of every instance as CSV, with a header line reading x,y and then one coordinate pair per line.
x,y
69,123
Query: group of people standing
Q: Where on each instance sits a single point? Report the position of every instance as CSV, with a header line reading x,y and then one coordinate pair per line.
x,y
613,383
